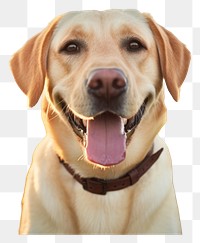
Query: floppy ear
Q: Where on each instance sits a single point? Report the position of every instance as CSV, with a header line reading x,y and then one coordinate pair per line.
x,y
174,57
29,63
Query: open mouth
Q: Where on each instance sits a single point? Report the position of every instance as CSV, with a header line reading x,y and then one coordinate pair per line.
x,y
106,136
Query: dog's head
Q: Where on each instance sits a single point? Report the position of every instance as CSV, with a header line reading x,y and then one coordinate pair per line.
x,y
103,73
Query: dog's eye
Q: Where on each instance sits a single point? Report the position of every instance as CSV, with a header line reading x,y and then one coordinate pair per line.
x,y
72,47
133,45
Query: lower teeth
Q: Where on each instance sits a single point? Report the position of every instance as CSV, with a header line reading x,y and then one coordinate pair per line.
x,y
84,139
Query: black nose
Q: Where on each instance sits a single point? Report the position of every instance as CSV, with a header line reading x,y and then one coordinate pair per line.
x,y
107,83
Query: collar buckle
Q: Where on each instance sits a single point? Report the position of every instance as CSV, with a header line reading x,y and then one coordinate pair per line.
x,y
94,185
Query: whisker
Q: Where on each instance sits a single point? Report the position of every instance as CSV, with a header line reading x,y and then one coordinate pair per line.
x,y
62,110
56,114
48,110
82,157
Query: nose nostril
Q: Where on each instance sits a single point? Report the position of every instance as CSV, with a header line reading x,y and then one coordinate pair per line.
x,y
118,83
96,84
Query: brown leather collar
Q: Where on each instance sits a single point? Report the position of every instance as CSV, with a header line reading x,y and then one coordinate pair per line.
x,y
101,187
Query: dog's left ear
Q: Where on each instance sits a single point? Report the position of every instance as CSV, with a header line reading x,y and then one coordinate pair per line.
x,y
29,63
174,57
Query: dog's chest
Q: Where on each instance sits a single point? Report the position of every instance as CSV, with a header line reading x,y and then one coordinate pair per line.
x,y
97,213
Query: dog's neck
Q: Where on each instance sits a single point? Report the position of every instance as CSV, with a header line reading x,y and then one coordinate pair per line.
x,y
101,187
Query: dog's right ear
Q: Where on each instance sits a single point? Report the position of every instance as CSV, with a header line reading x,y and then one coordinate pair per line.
x,y
30,62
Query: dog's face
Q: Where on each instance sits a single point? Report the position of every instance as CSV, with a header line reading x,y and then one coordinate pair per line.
x,y
104,74
104,80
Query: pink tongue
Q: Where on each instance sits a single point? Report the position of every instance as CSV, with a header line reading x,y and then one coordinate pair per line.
x,y
106,142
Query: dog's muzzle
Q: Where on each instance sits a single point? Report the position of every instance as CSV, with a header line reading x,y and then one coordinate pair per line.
x,y
106,133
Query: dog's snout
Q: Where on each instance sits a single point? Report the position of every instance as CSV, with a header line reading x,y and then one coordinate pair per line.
x,y
107,83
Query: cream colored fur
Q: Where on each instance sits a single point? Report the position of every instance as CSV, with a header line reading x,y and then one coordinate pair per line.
x,y
55,203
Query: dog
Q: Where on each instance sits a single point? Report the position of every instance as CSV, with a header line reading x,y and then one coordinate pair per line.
x,y
102,168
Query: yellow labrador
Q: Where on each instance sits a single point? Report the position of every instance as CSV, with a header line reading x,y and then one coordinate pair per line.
x,y
101,169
